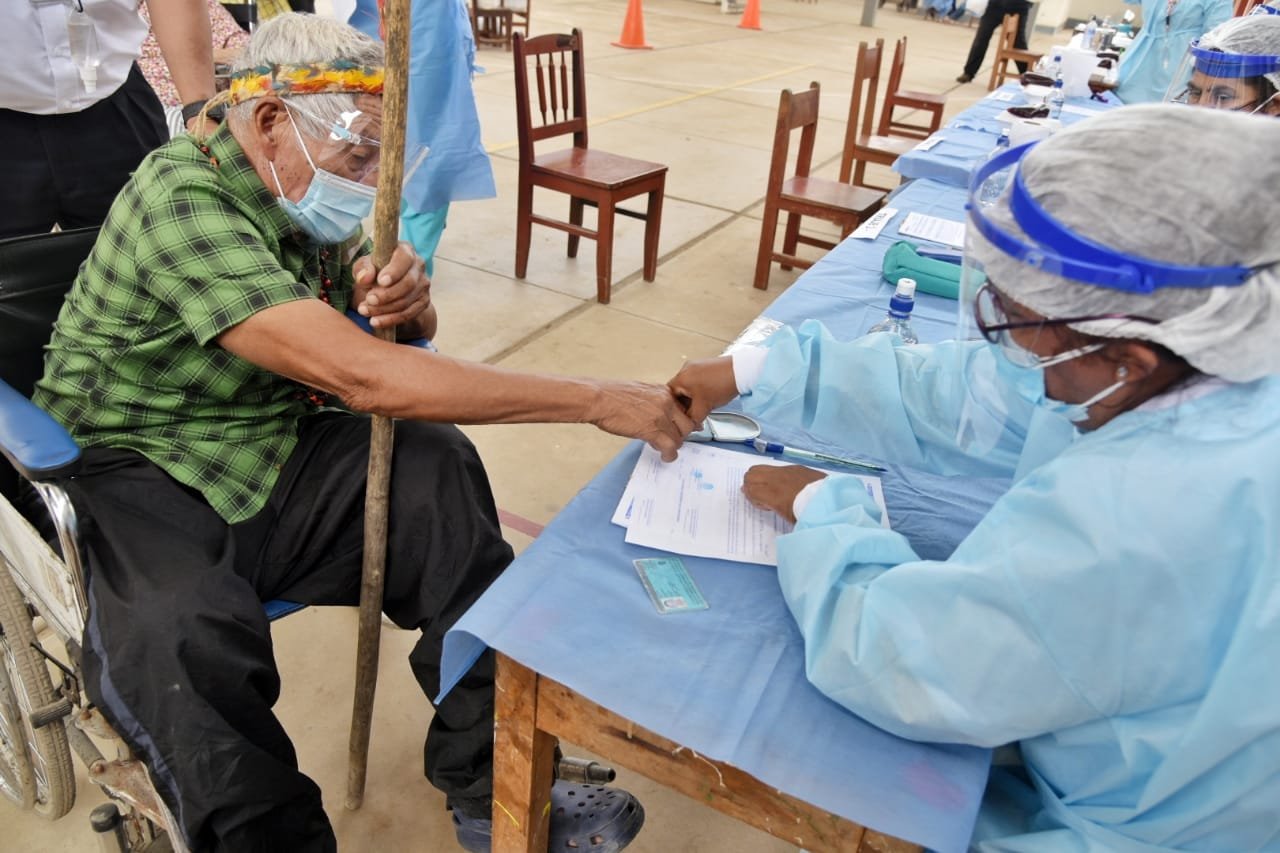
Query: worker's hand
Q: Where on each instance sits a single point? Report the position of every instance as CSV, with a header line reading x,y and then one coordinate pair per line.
x,y
399,294
775,486
644,411
704,385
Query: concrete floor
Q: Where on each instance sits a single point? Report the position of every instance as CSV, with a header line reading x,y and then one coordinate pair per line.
x,y
704,102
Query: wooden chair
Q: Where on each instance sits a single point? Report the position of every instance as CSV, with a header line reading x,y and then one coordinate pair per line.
x,y
1006,51
802,195
895,96
494,21
588,176
861,146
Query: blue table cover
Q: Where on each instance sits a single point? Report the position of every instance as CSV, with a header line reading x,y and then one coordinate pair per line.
x,y
968,139
845,288
728,682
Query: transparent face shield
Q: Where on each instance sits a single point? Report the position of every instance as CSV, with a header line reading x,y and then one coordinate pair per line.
x,y
1007,240
1218,80
347,143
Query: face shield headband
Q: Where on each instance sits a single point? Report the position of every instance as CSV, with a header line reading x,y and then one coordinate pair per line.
x,y
1264,10
1217,63
1057,250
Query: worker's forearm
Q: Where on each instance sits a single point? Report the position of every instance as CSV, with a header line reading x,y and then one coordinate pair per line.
x,y
183,33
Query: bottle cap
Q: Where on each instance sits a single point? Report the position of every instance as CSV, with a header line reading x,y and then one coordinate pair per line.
x,y
906,288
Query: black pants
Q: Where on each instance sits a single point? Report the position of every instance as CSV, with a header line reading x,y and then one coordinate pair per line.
x,y
990,21
177,651
67,169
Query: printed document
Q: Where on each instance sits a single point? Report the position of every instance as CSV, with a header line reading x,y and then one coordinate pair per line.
x,y
695,505
945,231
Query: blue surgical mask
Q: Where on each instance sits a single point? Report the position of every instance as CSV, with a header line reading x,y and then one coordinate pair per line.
x,y
332,208
1024,371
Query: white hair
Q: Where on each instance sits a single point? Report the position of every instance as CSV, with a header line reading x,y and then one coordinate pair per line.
x,y
294,38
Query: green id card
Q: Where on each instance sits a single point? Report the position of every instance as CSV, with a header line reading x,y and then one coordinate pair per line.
x,y
669,585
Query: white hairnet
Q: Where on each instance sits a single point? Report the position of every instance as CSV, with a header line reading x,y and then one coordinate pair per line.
x,y
1251,35
1189,187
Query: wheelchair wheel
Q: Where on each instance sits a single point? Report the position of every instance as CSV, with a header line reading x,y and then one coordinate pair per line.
x,y
54,790
17,779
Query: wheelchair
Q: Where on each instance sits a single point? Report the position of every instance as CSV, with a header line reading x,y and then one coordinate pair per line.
x,y
45,715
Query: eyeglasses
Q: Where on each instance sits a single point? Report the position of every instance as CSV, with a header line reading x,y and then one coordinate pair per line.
x,y
993,319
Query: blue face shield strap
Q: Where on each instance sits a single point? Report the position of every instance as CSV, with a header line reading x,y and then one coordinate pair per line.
x,y
1216,63
1059,251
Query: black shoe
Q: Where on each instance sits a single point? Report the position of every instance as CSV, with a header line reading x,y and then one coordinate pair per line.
x,y
964,78
589,818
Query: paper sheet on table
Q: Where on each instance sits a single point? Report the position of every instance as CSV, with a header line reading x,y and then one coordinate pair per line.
x,y
1075,109
695,506
945,231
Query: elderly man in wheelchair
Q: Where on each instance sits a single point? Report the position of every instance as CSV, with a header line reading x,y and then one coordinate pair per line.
x,y
202,364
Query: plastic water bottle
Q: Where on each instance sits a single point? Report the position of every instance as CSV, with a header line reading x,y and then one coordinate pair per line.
x,y
1057,97
994,185
898,320
84,47
1055,67
1090,31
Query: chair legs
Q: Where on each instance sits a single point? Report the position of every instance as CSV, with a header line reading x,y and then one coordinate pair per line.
x,y
652,224
606,212
791,238
575,218
524,227
764,258
604,251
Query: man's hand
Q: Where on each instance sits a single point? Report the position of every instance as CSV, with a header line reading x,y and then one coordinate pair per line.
x,y
644,411
704,385
775,487
400,294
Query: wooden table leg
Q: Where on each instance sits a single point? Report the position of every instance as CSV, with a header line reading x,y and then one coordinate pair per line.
x,y
523,766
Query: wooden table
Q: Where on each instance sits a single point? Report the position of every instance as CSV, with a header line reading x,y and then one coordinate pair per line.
x,y
533,711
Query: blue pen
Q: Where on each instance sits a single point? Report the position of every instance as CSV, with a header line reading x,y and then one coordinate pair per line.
x,y
762,446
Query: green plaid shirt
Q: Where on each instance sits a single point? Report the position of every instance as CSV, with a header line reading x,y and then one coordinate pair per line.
x,y
188,250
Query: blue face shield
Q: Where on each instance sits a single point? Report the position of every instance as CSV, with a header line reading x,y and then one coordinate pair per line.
x,y
332,208
1039,242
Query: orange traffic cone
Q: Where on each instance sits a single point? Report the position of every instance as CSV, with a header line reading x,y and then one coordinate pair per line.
x,y
751,16
633,28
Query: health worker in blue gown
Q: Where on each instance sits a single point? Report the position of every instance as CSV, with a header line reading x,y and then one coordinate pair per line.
x,y
1115,616
441,117
1168,26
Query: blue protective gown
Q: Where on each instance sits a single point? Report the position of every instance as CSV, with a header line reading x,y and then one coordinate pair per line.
x,y
1116,613
1148,66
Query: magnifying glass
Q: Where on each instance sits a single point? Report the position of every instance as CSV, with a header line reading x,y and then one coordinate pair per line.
x,y
737,428
733,427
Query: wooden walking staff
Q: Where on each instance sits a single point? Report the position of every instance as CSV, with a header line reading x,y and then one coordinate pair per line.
x,y
386,234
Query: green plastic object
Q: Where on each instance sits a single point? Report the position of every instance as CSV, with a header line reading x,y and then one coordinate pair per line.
x,y
940,278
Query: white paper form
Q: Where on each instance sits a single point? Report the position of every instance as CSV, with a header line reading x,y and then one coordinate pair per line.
x,y
945,231
695,506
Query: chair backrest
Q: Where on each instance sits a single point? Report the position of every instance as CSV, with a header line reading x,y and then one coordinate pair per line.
x,y
1008,33
893,84
795,111
560,83
35,274
866,76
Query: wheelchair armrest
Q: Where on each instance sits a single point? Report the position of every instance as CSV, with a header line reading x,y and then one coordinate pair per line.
x,y
35,443
363,322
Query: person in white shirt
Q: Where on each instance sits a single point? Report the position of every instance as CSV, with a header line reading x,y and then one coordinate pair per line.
x,y
77,120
